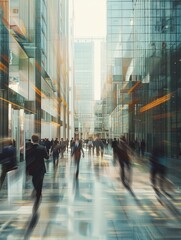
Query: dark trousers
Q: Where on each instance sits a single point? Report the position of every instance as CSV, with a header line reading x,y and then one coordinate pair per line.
x,y
55,158
77,162
37,180
97,151
126,180
160,170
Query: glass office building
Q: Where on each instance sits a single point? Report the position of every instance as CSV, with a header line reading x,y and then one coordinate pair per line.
x,y
49,84
156,55
119,55
34,85
145,40
84,86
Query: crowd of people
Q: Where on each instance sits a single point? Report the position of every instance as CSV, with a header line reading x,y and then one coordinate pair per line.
x,y
39,149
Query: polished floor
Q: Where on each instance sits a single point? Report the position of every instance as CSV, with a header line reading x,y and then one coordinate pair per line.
x,y
94,207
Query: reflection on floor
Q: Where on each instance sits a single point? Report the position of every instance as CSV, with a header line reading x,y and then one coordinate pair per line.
x,y
96,206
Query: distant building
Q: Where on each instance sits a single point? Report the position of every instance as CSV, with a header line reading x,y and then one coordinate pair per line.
x,y
84,86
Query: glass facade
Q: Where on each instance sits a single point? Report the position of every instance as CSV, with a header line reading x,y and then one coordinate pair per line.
x,y
112,167
156,58
119,55
143,47
84,86
140,83
34,84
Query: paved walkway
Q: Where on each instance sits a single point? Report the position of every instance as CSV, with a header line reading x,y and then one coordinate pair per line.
x,y
96,207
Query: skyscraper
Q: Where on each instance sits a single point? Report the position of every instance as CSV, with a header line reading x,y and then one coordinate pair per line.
x,y
34,83
84,86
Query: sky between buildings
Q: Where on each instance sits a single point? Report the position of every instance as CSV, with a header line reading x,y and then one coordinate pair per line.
x,y
90,22
90,18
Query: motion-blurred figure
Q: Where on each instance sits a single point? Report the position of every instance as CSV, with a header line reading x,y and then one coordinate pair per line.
x,y
7,159
106,145
142,147
62,147
93,147
35,167
55,150
122,152
47,144
90,145
71,145
158,162
76,152
114,147
99,147
67,144
101,144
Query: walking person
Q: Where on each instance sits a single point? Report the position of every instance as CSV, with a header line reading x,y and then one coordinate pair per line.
x,y
122,152
90,144
71,145
35,167
76,152
7,159
47,145
93,147
63,145
142,146
97,146
106,145
55,150
114,147
67,144
158,168
101,144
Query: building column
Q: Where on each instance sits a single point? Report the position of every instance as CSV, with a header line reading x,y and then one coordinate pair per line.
x,y
4,67
38,67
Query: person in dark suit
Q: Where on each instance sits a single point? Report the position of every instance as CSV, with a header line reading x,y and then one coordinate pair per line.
x,y
158,161
122,150
76,151
35,167
55,150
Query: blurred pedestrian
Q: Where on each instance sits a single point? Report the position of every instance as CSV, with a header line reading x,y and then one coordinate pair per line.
x,y
99,147
90,145
71,145
7,159
35,167
142,146
47,145
55,150
158,168
67,144
93,147
114,148
63,145
114,144
123,153
76,152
